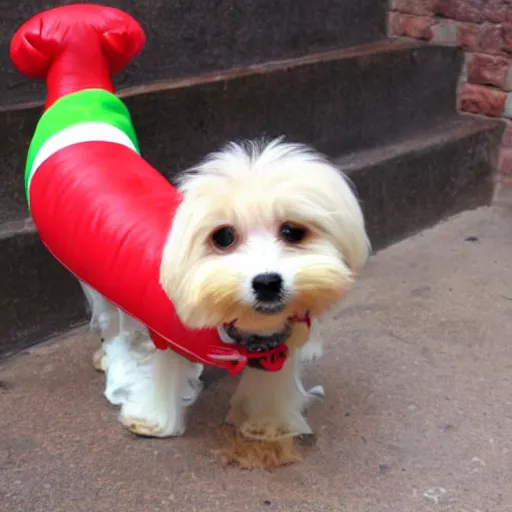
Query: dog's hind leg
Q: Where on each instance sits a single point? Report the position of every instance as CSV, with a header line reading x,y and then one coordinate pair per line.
x,y
104,321
128,355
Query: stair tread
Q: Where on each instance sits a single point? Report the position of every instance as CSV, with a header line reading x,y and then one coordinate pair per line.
x,y
21,225
458,127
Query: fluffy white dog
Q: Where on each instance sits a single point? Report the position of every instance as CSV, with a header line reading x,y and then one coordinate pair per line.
x,y
266,231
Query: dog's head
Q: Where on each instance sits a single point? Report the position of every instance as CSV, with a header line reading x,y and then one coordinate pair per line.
x,y
264,232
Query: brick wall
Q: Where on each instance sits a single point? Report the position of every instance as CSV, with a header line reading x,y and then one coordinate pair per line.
x,y
483,28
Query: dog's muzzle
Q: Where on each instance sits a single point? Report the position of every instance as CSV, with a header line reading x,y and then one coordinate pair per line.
x,y
256,343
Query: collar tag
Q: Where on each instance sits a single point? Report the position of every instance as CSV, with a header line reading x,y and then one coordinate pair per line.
x,y
228,355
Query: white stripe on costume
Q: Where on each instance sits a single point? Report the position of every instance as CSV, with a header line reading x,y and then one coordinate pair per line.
x,y
75,134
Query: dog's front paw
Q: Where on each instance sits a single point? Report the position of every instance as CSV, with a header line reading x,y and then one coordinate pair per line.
x,y
250,453
141,428
146,429
145,416
262,427
265,429
271,428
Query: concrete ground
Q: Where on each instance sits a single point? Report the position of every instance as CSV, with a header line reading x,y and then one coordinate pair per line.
x,y
418,414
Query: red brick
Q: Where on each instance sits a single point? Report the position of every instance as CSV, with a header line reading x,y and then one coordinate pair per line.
x,y
487,70
478,99
496,38
505,162
468,36
418,27
491,39
461,10
497,11
417,7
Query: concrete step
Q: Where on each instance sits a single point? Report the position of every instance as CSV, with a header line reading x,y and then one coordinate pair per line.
x,y
38,297
185,38
340,101
411,184
418,383
404,186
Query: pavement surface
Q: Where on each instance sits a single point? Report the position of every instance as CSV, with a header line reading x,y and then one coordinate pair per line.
x,y
417,418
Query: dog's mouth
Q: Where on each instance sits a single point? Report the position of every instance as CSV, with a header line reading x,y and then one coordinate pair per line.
x,y
269,308
255,343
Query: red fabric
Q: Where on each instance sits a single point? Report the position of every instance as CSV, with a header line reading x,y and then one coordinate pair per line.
x,y
105,213
100,209
76,47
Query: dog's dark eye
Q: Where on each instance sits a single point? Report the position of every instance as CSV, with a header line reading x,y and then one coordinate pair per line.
x,y
224,237
292,234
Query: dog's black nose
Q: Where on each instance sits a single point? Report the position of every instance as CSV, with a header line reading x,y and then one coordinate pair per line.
x,y
267,287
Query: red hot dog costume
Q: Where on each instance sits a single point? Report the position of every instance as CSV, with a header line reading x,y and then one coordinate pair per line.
x,y
99,207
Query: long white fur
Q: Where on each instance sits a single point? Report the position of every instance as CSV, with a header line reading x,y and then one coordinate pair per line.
x,y
154,387
276,399
151,387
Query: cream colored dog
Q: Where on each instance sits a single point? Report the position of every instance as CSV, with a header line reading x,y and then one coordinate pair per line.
x,y
265,232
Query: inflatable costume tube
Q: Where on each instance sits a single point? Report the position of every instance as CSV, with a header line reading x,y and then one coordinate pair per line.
x,y
99,207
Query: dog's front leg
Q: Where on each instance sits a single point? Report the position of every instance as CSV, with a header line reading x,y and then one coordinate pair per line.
x,y
313,349
162,387
271,405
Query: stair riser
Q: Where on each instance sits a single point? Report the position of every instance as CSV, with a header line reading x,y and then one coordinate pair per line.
x,y
339,105
38,297
414,191
186,38
399,197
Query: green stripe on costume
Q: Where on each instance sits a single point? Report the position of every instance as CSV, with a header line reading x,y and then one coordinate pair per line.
x,y
91,105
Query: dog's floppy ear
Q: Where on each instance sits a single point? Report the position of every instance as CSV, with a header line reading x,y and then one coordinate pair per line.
x,y
350,230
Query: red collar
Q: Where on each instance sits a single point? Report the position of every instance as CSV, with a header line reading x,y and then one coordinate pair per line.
x,y
270,361
233,357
